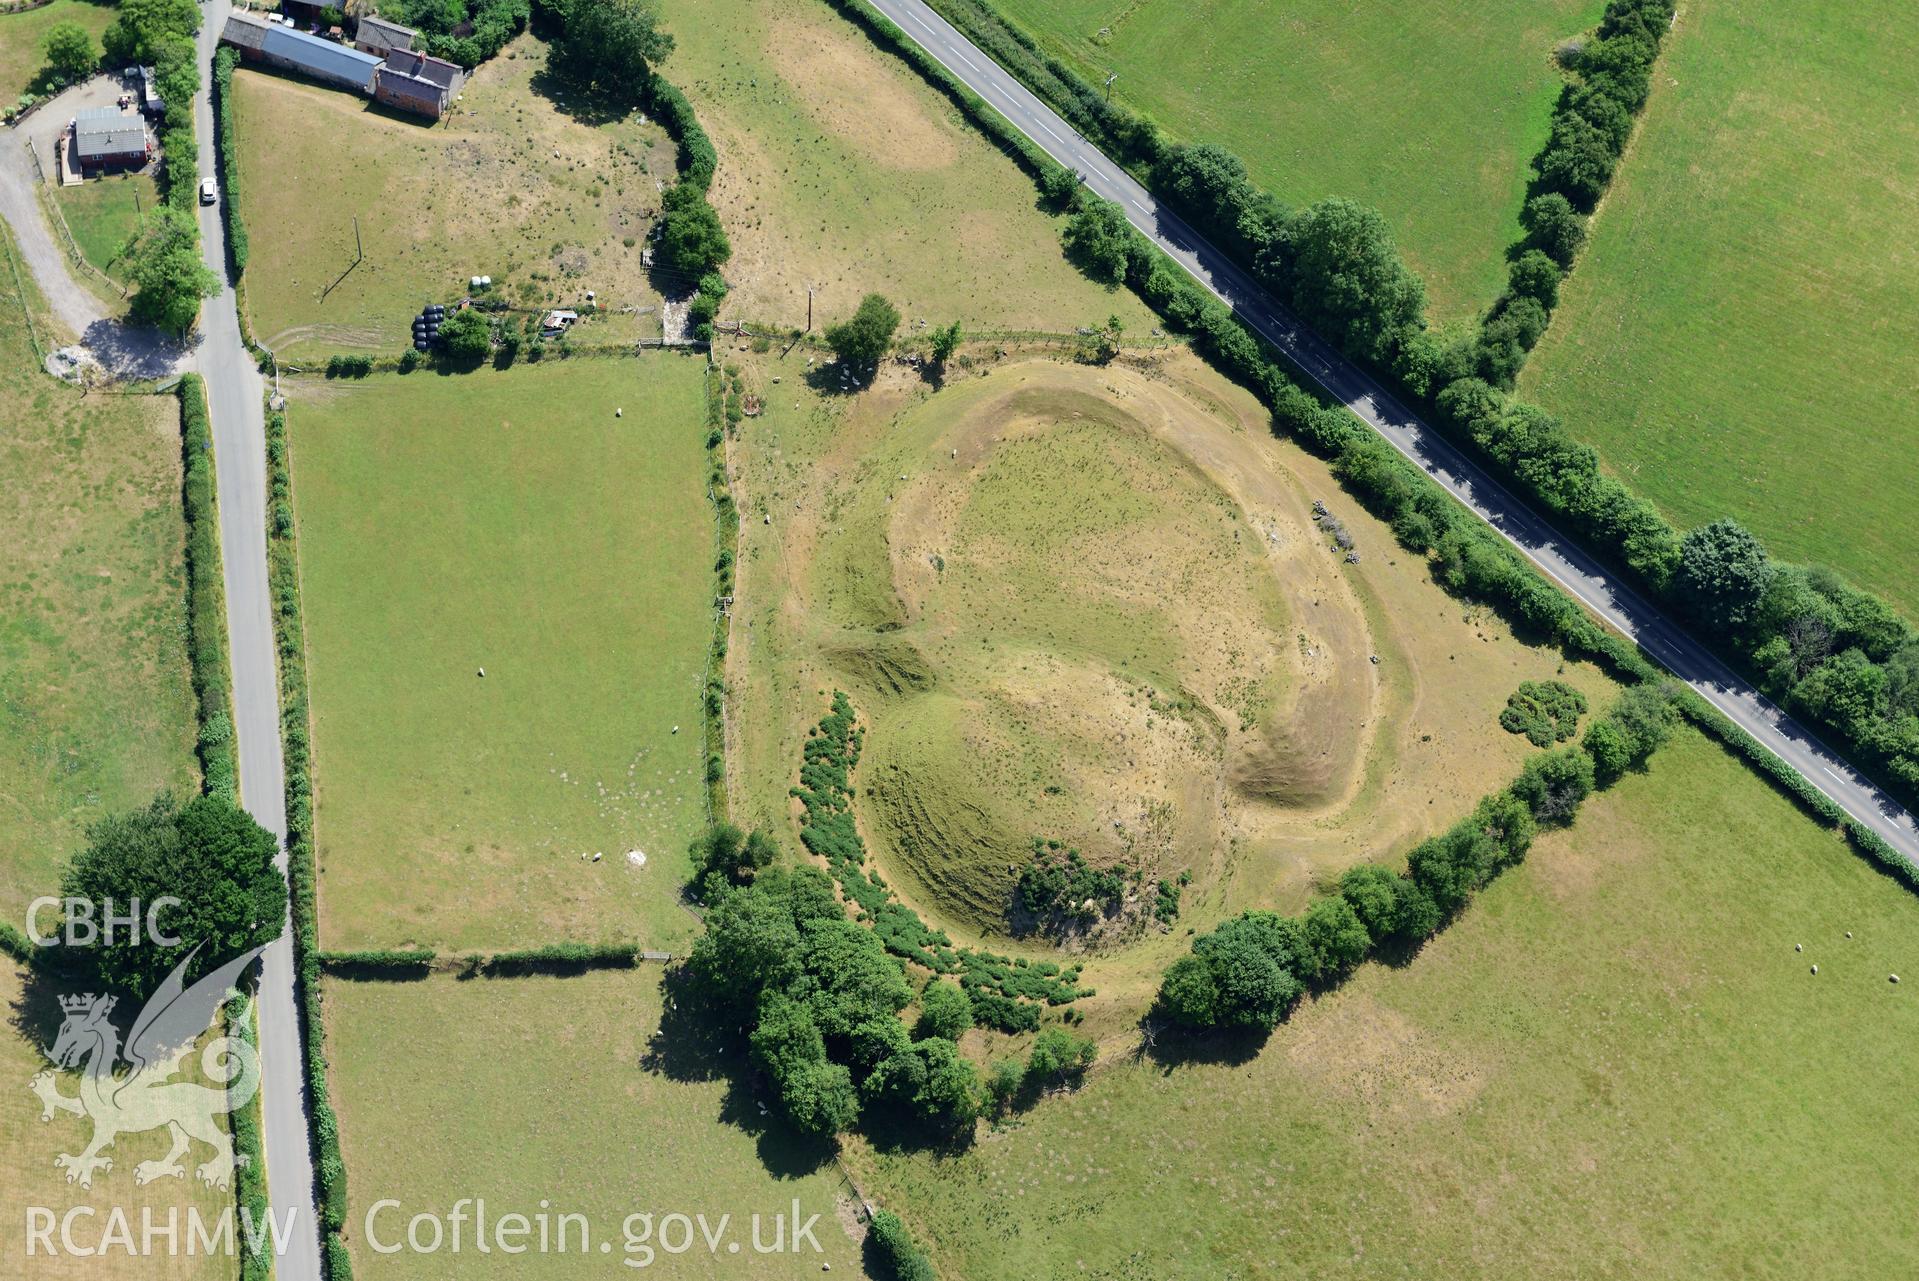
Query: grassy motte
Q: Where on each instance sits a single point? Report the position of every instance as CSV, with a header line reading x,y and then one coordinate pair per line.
x,y
1430,113
564,1091
505,521
1615,1055
1739,337
1093,605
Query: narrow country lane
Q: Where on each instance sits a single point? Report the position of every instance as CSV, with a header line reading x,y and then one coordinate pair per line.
x,y
1561,559
235,393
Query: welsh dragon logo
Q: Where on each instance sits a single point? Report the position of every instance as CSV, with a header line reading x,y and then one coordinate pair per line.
x,y
146,1097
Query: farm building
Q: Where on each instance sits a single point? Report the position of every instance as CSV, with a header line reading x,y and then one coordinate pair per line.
x,y
417,82
273,45
379,37
107,138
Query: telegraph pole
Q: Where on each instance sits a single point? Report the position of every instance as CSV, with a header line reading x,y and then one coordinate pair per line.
x,y
809,309
359,251
1109,85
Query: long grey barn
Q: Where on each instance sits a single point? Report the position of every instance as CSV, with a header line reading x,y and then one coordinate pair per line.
x,y
274,45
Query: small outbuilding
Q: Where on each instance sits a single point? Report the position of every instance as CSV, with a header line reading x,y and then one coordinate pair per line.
x,y
377,36
108,138
418,82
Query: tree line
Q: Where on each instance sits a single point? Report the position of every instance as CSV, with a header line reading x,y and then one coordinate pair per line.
x,y
1248,973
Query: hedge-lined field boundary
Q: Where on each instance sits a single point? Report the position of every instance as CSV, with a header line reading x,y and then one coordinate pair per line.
x,y
224,146
289,630
206,596
720,410
1472,559
555,959
249,1175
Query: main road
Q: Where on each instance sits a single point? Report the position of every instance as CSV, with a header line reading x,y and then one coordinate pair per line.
x,y
235,392
1561,559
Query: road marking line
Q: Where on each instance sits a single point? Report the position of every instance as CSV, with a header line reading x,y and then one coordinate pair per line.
x,y
1828,771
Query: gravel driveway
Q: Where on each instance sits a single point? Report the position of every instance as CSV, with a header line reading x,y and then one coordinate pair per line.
x,y
126,351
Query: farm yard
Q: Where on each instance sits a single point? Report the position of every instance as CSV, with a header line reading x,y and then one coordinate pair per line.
x,y
508,186
96,715
1092,605
511,523
840,170
1616,1047
567,1091
1429,113
1740,338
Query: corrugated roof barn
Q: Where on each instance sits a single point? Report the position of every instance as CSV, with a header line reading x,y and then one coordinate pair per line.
x,y
309,55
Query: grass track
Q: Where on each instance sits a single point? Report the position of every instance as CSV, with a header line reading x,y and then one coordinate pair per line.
x,y
1742,335
1615,1056
1432,113
505,521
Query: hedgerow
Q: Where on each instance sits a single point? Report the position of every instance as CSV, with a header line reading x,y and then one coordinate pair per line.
x,y
225,148
206,596
1006,992
1248,972
283,583
897,1250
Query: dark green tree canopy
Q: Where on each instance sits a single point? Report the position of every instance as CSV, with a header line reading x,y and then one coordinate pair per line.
x,y
1348,280
143,25
1723,573
212,857
169,277
692,241
608,47
71,51
862,341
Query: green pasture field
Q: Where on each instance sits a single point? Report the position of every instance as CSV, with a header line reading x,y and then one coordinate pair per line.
x,y
96,702
1741,337
568,1093
23,39
841,170
507,186
1614,1056
102,214
1430,113
506,521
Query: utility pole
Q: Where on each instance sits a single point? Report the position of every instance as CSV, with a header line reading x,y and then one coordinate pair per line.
x,y
359,251
1109,85
809,309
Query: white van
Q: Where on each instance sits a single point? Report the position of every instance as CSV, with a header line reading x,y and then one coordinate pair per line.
x,y
208,192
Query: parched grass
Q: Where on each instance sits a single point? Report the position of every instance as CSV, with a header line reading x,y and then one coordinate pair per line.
x,y
1615,1056
1742,336
507,186
505,521
96,704
96,714
102,214
29,1178
1431,113
842,171
1064,598
532,1093
23,39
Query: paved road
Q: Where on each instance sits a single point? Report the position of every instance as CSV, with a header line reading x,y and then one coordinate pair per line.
x,y
234,393
1559,557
